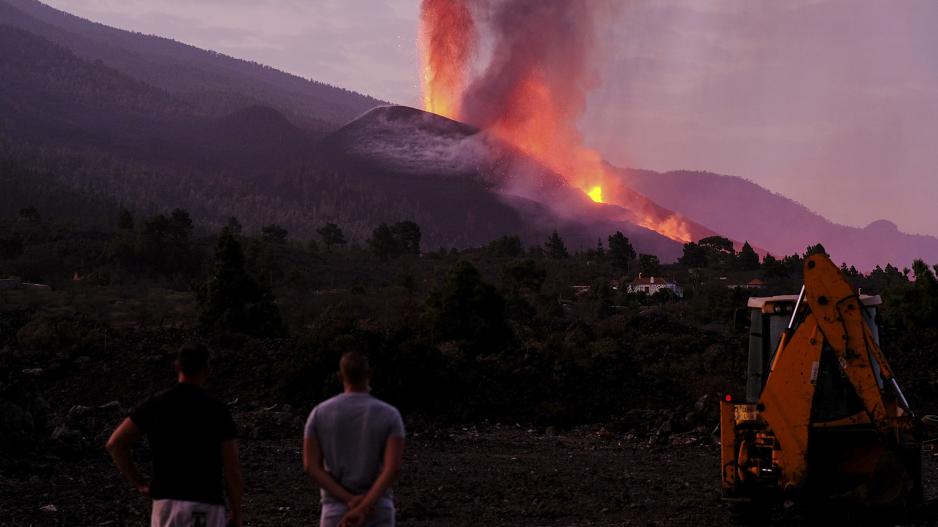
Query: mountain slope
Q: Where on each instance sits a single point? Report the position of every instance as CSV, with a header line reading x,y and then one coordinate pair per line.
x,y
53,97
100,131
417,150
743,210
214,83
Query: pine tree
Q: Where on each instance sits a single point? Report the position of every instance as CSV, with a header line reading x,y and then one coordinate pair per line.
x,y
719,251
772,267
649,265
694,256
382,242
814,249
621,251
554,247
505,246
274,233
747,259
600,250
468,310
331,235
407,235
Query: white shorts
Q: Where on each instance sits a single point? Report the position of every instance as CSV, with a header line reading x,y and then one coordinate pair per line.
x,y
381,517
178,513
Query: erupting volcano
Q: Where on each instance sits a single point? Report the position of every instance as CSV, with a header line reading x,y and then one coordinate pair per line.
x,y
531,90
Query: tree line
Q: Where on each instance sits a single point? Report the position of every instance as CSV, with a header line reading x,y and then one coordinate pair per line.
x,y
492,330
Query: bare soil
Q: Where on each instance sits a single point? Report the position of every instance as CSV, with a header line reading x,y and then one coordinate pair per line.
x,y
486,474
492,475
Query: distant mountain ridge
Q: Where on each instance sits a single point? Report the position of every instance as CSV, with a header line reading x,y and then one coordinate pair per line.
x,y
214,83
743,210
52,96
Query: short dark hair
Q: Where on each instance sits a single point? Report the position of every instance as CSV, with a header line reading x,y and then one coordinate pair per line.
x,y
193,358
354,367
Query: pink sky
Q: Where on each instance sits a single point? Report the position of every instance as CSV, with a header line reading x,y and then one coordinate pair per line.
x,y
831,102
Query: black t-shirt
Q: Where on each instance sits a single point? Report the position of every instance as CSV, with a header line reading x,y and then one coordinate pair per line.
x,y
185,428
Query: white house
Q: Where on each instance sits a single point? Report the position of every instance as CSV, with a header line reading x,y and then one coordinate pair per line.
x,y
755,283
651,285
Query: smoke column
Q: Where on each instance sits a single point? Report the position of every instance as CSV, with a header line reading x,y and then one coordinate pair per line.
x,y
447,42
532,91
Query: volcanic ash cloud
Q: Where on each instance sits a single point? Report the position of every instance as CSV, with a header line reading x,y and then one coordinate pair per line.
x,y
530,88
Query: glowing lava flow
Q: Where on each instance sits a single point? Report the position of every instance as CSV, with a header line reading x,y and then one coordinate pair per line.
x,y
596,194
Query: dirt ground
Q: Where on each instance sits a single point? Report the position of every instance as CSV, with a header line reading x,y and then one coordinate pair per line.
x,y
496,475
466,476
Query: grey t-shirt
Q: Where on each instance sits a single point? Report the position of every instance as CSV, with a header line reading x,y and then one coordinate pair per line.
x,y
353,429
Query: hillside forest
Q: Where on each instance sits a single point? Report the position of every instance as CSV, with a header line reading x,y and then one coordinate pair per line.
x,y
503,332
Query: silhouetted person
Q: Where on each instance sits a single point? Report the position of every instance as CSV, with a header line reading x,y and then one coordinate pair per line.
x,y
352,448
193,441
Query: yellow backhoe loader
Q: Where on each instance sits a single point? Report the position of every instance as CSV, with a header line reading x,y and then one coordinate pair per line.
x,y
823,419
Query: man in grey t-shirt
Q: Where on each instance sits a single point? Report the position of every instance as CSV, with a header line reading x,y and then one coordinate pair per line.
x,y
353,444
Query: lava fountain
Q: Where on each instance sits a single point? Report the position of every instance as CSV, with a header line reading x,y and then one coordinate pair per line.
x,y
447,44
532,91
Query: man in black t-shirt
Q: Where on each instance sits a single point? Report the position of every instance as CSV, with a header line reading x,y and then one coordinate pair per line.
x,y
193,441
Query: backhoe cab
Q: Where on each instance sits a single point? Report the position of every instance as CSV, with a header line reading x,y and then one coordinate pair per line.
x,y
823,418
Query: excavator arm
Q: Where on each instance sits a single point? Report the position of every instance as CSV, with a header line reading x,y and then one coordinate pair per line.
x,y
788,398
833,320
838,312
832,327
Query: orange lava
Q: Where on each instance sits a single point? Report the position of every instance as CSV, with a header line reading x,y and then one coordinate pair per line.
x,y
596,194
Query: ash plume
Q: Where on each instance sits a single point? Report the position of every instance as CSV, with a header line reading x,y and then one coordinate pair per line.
x,y
541,67
532,90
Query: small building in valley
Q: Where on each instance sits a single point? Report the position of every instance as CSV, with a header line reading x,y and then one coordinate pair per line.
x,y
755,283
653,284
